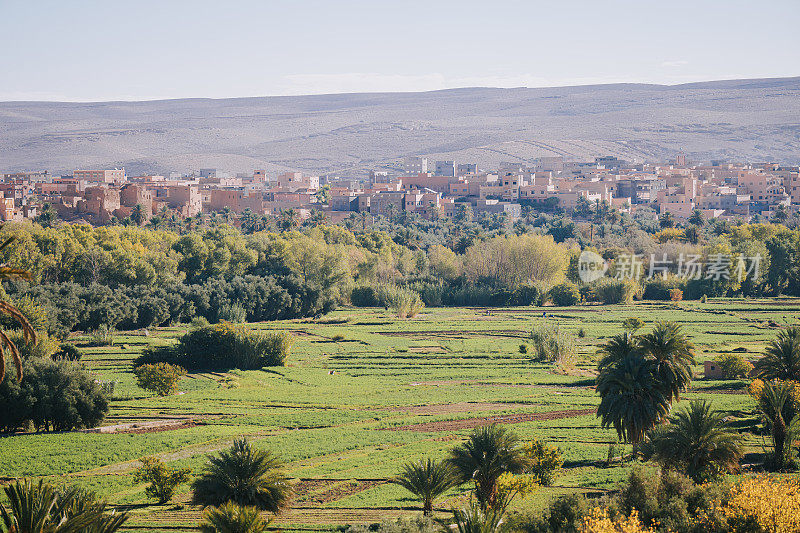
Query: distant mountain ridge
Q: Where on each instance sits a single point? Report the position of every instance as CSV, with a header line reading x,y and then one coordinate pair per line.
x,y
743,120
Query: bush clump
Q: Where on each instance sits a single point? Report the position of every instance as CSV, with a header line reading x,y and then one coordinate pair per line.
x,y
553,345
734,366
52,396
160,378
67,352
407,303
162,480
544,461
221,347
44,347
565,294
615,291
660,287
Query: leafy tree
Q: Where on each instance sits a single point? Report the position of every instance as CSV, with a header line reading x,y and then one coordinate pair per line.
x,y
232,518
160,378
52,396
489,452
781,359
427,480
698,442
245,476
162,480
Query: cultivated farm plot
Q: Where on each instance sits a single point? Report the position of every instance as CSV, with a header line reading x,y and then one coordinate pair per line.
x,y
345,414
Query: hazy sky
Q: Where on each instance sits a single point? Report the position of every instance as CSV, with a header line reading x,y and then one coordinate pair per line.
x,y
132,50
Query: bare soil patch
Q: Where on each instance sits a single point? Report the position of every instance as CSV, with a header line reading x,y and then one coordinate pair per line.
x,y
322,491
427,349
460,407
149,426
451,334
469,423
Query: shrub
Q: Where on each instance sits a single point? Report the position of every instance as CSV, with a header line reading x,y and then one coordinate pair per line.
x,y
162,480
564,515
544,461
160,378
103,335
382,295
672,500
407,303
364,296
615,291
733,366
553,345
52,396
772,503
232,313
526,295
222,347
632,324
337,338
675,295
659,287
581,333
467,295
418,524
44,347
565,294
523,348
599,521
67,352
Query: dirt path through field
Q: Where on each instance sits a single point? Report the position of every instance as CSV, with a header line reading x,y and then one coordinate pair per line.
x,y
469,423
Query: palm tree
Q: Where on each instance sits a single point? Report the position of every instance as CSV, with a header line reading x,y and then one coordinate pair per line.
x,y
673,355
245,476
490,452
782,357
288,219
232,518
427,480
138,215
632,398
697,218
779,409
6,308
75,501
476,519
699,441
617,349
39,508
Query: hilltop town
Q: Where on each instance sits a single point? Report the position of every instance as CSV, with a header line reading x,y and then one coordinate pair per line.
x,y
430,189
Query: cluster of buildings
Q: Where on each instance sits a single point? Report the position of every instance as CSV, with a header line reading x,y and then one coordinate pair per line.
x,y
430,189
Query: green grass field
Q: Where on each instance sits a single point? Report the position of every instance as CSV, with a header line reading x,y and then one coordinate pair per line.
x,y
345,415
